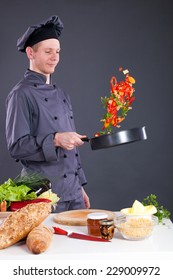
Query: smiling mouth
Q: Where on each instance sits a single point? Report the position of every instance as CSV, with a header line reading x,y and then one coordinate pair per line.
x,y
52,65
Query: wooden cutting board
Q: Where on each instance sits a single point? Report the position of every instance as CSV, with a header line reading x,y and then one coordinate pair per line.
x,y
78,217
4,215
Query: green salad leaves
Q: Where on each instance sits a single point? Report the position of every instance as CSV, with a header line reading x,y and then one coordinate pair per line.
x,y
9,192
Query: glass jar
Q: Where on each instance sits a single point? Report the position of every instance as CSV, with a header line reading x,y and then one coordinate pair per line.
x,y
107,229
93,222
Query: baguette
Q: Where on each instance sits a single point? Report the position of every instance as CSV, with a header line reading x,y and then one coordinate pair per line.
x,y
19,223
39,239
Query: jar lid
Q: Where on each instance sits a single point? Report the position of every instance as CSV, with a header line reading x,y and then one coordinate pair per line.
x,y
97,215
107,222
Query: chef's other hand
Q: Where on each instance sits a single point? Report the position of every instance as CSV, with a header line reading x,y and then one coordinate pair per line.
x,y
68,140
86,199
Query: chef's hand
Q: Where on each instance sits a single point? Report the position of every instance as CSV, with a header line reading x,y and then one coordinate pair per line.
x,y
86,199
68,140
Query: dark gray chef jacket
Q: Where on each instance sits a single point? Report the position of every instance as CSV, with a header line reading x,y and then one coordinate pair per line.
x,y
35,112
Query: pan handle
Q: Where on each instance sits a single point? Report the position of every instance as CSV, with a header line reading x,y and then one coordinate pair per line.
x,y
86,139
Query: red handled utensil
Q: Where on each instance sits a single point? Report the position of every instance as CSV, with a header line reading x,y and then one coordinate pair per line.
x,y
61,231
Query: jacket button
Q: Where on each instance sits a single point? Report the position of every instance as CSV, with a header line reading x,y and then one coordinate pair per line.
x,y
65,156
46,99
64,100
71,117
35,85
76,155
55,118
65,176
76,173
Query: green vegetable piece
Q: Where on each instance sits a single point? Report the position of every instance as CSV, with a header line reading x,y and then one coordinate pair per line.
x,y
161,211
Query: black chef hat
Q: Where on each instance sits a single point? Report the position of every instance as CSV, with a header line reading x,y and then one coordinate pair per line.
x,y
47,29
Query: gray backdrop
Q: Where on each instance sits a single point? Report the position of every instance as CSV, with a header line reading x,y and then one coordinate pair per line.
x,y
99,36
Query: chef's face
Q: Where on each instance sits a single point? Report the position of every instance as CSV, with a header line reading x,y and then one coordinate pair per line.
x,y
44,56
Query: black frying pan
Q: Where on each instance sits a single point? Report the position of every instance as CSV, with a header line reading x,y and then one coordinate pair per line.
x,y
117,138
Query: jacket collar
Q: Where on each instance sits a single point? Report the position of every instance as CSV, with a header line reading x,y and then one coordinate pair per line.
x,y
35,77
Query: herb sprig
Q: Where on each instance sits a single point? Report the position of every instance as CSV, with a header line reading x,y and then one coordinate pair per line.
x,y
161,211
31,179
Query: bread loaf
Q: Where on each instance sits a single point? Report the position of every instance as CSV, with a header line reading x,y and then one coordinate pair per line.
x,y
19,223
39,239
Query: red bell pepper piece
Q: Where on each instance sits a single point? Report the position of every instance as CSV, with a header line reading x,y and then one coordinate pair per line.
x,y
15,205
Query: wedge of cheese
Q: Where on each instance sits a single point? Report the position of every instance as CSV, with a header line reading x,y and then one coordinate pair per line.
x,y
139,209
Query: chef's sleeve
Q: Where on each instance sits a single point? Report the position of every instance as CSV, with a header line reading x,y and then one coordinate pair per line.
x,y
21,143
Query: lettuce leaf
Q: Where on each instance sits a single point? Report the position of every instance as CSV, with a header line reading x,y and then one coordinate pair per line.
x,y
9,191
